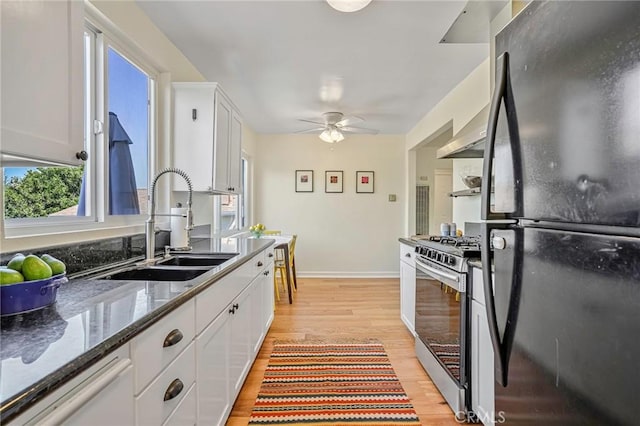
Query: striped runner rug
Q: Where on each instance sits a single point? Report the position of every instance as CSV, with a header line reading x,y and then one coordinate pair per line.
x,y
331,384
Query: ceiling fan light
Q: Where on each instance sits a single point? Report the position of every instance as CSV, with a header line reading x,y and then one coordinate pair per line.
x,y
348,5
331,136
336,135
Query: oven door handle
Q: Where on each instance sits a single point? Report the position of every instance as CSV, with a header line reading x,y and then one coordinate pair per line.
x,y
451,280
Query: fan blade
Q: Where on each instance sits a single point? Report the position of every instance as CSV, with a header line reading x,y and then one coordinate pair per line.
x,y
312,121
314,130
360,130
349,120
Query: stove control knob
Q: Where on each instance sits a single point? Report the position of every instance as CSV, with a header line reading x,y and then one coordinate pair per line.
x,y
451,261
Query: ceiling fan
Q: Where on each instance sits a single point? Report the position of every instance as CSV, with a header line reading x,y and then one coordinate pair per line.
x,y
334,125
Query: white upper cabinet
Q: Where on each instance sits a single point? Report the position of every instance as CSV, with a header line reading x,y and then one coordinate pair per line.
x,y
42,80
207,138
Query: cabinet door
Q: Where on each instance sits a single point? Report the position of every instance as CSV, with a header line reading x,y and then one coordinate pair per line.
x,y
408,295
257,313
212,371
240,355
235,154
482,377
221,143
193,114
268,299
42,79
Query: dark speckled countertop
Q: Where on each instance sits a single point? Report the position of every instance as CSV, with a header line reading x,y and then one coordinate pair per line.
x,y
42,350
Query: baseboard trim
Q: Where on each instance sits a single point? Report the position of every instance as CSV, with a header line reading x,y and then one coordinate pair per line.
x,y
344,274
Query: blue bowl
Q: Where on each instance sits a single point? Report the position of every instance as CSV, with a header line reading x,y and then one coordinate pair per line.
x,y
29,296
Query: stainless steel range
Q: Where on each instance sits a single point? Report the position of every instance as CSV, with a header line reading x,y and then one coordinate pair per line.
x,y
442,314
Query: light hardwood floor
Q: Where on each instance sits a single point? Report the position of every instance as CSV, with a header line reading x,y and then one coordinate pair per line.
x,y
329,309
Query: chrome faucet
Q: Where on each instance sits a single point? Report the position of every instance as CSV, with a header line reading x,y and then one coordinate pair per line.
x,y
150,223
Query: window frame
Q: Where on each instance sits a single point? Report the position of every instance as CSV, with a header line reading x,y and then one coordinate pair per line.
x,y
102,34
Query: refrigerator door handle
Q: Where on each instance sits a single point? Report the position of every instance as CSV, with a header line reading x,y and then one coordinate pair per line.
x,y
502,347
502,92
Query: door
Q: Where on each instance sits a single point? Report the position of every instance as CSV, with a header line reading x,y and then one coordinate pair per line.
x,y
572,143
568,315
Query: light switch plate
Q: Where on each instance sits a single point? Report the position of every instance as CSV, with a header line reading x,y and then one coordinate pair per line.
x,y
392,197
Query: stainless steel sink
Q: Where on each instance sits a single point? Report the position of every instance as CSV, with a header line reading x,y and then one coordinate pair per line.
x,y
155,273
197,259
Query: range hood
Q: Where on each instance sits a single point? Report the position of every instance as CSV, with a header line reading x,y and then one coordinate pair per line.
x,y
469,141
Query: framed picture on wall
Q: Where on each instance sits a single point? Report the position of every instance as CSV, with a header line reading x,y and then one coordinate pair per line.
x,y
364,182
304,180
333,181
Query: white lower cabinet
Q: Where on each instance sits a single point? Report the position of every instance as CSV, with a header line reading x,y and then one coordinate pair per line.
x,y
185,369
408,287
228,345
482,374
240,344
212,358
90,398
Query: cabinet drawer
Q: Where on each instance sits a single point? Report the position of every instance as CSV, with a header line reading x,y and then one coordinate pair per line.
x,y
185,413
407,254
156,347
151,407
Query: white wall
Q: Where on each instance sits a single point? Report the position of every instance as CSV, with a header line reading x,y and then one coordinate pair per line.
x,y
339,234
465,209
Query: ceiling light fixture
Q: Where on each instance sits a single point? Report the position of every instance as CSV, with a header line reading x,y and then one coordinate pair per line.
x,y
331,135
348,5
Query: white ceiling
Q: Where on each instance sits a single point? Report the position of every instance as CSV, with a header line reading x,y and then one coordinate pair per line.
x,y
280,61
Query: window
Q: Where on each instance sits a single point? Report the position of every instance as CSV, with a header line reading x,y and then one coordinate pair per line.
x,y
230,211
111,187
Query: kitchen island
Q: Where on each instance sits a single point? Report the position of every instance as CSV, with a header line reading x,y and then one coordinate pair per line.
x,y
43,351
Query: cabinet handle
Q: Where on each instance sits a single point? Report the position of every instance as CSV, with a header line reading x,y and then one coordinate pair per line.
x,y
173,390
236,306
259,263
82,155
270,255
266,273
407,255
194,114
232,310
172,338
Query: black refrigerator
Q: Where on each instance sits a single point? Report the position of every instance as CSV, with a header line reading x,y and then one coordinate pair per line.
x,y
561,212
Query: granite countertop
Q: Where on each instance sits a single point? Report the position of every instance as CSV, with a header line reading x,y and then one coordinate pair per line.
x,y
42,350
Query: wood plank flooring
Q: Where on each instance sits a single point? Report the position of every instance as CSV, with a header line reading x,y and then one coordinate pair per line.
x,y
329,309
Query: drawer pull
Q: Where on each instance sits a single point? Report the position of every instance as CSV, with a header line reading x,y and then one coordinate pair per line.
x,y
407,255
266,273
172,338
236,306
174,389
259,263
270,254
232,310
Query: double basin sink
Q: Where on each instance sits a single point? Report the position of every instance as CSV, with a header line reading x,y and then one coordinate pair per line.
x,y
177,267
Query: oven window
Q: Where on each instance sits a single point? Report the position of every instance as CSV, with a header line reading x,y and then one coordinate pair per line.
x,y
438,309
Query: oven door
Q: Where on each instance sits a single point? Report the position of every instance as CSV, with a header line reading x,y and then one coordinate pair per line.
x,y
441,306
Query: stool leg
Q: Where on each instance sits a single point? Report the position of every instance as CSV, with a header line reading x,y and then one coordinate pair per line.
x,y
275,286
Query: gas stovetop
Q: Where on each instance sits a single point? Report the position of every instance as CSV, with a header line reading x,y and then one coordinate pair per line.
x,y
448,251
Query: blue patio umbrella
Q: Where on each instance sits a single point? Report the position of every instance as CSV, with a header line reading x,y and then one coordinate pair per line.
x,y
123,192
